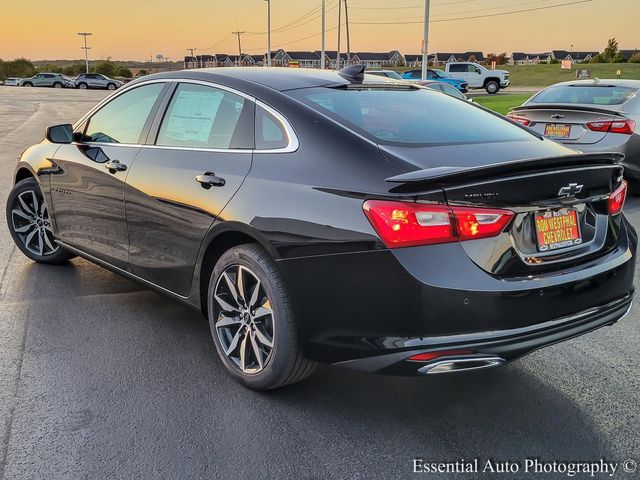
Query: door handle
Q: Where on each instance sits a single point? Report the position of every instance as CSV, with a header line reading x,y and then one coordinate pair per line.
x,y
209,179
115,166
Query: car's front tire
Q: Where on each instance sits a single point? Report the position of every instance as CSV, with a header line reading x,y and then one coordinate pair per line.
x,y
252,323
492,87
57,85
30,226
111,86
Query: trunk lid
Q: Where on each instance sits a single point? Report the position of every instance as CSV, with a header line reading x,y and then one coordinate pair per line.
x,y
566,123
574,188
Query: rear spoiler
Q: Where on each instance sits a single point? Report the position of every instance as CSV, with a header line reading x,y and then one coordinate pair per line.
x,y
561,106
442,174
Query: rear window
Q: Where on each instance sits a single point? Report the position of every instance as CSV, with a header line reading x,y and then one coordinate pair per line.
x,y
416,117
585,94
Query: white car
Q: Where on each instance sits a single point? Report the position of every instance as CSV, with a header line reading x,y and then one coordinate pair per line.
x,y
478,76
12,81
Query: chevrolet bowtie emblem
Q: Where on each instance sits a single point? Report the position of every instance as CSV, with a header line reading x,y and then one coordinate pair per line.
x,y
570,190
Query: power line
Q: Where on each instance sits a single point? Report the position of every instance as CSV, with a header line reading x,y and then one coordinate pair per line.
x,y
290,26
224,40
403,7
238,33
474,16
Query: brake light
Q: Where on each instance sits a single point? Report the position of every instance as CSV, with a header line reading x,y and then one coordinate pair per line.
x,y
401,224
428,356
524,121
616,199
625,127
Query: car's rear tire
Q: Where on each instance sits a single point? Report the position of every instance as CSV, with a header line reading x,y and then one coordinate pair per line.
x,y
492,86
82,86
111,86
57,85
27,84
252,322
30,226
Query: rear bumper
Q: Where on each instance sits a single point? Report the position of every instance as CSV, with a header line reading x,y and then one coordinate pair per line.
x,y
372,310
505,345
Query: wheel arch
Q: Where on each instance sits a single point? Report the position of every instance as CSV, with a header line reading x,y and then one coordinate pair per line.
x,y
22,173
220,239
490,79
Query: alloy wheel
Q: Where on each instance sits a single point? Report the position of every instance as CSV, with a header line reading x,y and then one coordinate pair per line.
x,y
30,220
244,323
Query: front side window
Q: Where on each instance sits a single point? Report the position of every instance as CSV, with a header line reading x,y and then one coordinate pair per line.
x,y
410,117
206,117
457,68
122,119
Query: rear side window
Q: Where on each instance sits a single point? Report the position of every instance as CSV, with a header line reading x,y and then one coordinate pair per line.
x,y
206,117
587,94
415,117
270,133
123,118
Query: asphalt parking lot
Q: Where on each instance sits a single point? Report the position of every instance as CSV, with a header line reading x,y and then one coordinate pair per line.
x,y
101,378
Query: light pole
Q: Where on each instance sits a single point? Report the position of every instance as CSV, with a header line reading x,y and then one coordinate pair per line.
x,y
346,20
425,41
322,54
193,59
338,47
86,49
268,32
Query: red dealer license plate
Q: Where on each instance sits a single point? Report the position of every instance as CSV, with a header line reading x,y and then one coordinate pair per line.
x,y
557,229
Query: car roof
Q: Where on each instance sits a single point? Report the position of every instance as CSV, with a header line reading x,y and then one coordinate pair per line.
x,y
276,78
616,82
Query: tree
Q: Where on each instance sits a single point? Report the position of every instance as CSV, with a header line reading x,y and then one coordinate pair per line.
x,y
500,59
609,53
122,71
20,67
73,70
105,68
635,58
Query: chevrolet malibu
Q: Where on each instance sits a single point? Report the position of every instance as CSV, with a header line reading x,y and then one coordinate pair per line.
x,y
335,217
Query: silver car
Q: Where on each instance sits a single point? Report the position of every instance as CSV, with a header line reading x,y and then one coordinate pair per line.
x,y
55,80
12,81
96,80
589,116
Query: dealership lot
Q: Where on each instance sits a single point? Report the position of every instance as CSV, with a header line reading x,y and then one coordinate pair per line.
x,y
99,377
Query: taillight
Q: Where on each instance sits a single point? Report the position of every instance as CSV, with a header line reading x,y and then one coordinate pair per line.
x,y
524,121
616,199
401,224
625,127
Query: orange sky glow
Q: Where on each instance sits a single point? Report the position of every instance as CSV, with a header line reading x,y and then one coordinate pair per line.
x,y
139,30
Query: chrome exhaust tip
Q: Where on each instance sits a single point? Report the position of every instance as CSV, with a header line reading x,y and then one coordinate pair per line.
x,y
462,364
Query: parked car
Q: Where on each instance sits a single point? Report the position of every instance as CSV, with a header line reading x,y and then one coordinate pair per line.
x,y
55,80
385,73
444,88
96,80
478,76
590,116
11,81
437,75
322,216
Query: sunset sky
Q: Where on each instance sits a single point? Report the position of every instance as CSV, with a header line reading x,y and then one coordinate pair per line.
x,y
139,29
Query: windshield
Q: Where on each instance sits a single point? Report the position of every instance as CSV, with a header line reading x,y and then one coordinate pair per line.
x,y
410,117
394,75
442,73
585,94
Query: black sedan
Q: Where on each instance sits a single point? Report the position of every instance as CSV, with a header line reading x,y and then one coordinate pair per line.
x,y
336,217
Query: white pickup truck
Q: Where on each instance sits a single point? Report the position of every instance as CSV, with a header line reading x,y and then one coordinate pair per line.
x,y
478,76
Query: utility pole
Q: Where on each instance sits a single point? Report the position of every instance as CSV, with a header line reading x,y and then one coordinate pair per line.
x,y
338,48
85,48
425,40
346,19
239,46
323,34
193,58
268,32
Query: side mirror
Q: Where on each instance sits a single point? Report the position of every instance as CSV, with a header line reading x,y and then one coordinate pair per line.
x,y
478,71
60,133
